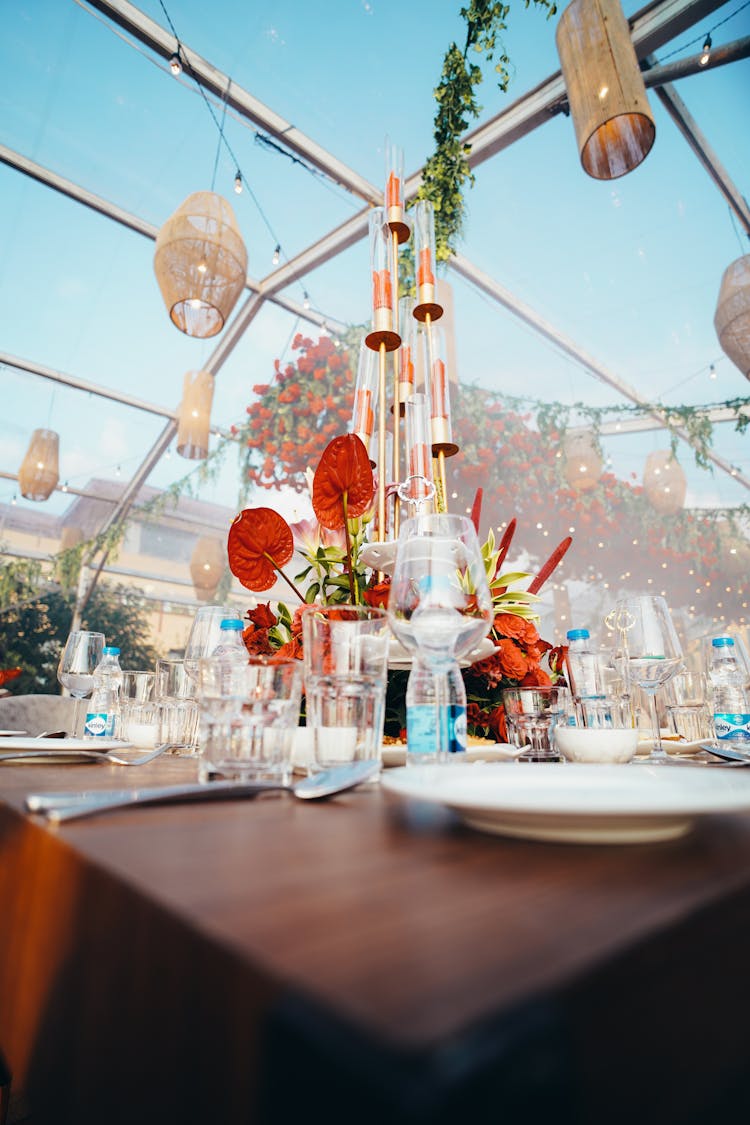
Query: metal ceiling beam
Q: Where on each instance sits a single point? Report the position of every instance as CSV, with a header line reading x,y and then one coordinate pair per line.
x,y
97,389
163,43
132,222
686,123
563,343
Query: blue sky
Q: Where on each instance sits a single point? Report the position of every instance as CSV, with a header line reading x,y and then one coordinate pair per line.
x,y
630,269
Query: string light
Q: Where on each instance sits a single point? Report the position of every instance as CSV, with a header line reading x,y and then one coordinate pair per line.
x,y
712,372
14,501
175,62
306,301
64,487
276,255
238,182
706,53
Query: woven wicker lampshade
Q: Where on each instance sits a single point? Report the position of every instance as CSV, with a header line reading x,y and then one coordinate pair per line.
x,y
207,564
583,461
732,319
200,263
39,471
195,415
607,96
664,482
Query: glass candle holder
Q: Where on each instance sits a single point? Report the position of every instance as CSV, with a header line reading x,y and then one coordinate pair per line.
x,y
425,261
365,395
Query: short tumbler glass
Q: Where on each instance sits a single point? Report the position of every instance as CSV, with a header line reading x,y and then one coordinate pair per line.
x,y
531,715
248,717
177,708
346,668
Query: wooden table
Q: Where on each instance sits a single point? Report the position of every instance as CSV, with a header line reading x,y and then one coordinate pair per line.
x,y
274,960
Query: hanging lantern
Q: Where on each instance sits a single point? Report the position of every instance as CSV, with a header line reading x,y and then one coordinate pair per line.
x,y
39,472
664,482
583,461
200,263
607,96
195,415
70,537
207,564
732,319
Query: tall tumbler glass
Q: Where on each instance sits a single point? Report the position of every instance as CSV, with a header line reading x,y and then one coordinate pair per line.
x,y
346,667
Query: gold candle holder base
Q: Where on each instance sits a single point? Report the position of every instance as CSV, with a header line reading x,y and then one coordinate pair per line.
x,y
398,224
385,336
428,310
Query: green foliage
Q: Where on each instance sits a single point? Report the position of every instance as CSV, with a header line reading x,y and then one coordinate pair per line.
x,y
447,171
32,635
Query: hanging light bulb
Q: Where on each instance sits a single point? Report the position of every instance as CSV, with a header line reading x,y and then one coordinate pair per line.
x,y
276,255
14,501
712,372
175,63
306,301
238,183
706,52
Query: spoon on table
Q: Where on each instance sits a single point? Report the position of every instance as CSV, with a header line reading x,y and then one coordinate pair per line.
x,y
737,757
59,807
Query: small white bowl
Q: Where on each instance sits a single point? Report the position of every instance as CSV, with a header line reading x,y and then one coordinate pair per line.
x,y
597,744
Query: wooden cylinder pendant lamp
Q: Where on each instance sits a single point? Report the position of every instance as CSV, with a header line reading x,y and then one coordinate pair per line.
x,y
613,121
583,461
39,471
207,565
732,319
200,264
664,482
195,415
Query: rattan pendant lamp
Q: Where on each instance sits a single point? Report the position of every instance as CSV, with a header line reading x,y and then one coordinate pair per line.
x,y
732,319
200,263
607,96
39,471
195,415
207,564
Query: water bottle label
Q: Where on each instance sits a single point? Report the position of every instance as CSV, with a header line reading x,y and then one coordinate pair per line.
x,y
97,724
732,727
421,730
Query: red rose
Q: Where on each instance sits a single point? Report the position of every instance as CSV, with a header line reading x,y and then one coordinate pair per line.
x,y
518,628
536,677
497,725
292,650
377,594
510,660
262,616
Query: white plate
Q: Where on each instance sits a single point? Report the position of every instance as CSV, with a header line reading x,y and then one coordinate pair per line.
x,y
53,744
577,804
672,746
501,752
11,733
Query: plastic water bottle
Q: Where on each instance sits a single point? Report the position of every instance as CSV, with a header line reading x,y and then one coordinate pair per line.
x,y
421,715
104,706
731,705
231,645
585,674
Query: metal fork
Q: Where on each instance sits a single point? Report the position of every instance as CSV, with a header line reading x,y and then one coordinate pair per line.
x,y
67,757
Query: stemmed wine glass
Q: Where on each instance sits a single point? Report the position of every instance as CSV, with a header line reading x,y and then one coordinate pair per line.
x,y
648,648
82,652
205,635
439,605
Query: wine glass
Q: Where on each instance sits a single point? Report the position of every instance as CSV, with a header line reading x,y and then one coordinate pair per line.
x,y
82,652
205,635
439,604
647,645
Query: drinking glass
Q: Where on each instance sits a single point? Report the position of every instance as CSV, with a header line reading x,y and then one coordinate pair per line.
x,y
204,636
648,649
177,709
82,652
439,604
531,715
249,718
687,707
346,667
137,721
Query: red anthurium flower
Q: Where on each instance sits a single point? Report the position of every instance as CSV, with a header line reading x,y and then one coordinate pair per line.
x,y
260,542
343,485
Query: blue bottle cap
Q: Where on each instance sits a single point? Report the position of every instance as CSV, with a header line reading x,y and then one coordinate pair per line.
x,y
577,634
110,650
232,623
722,642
